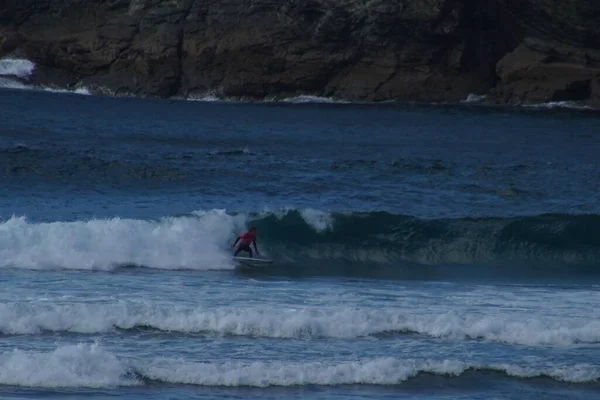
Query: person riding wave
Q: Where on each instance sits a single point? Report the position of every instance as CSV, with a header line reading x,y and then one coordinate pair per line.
x,y
245,239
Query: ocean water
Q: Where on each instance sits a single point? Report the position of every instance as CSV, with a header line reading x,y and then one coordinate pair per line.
x,y
421,251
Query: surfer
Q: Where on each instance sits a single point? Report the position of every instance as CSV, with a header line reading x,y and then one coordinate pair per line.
x,y
245,240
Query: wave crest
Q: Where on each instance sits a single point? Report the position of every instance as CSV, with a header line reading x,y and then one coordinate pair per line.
x,y
311,242
346,323
535,245
94,367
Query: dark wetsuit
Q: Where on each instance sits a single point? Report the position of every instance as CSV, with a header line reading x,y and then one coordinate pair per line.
x,y
246,240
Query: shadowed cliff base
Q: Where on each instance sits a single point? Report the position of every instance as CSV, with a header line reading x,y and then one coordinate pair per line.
x,y
513,51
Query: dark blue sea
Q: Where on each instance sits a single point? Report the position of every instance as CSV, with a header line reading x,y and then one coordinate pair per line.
x,y
420,251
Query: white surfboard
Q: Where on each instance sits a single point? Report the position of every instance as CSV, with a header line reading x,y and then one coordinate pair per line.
x,y
253,262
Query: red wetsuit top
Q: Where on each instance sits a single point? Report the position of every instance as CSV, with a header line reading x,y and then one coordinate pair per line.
x,y
247,238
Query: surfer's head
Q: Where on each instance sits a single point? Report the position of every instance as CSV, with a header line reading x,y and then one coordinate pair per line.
x,y
253,229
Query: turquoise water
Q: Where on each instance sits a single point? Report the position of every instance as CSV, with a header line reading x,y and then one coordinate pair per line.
x,y
421,251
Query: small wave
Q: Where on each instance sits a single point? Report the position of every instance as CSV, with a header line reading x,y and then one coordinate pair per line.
x,y
91,366
378,371
345,323
67,366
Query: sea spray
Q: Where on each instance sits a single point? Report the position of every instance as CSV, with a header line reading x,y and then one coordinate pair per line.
x,y
18,68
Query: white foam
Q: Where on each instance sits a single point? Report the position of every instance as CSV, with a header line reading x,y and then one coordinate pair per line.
x,y
579,373
319,220
475,98
82,90
378,371
185,242
16,67
211,96
85,365
520,330
208,98
11,68
67,366
312,99
560,104
281,322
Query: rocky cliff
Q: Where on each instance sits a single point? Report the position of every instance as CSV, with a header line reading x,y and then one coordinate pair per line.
x,y
426,50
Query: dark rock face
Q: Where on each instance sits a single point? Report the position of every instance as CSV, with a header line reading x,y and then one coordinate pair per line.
x,y
425,50
538,72
559,55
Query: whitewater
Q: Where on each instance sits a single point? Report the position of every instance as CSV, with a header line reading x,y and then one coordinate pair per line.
x,y
421,251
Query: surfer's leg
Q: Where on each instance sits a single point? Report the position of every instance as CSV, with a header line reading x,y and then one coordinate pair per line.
x,y
243,248
237,250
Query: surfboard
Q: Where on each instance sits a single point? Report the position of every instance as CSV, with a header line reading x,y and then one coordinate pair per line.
x,y
253,262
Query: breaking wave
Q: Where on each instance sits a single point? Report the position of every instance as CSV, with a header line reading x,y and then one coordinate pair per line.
x,y
315,242
85,365
192,242
543,245
32,318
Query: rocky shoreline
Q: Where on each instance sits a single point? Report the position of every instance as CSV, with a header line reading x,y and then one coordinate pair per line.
x,y
511,51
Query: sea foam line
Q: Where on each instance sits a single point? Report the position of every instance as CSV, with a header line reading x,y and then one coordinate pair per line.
x,y
90,365
576,105
280,322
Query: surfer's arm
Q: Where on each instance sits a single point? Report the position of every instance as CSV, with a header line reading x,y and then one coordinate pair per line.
x,y
236,240
255,248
